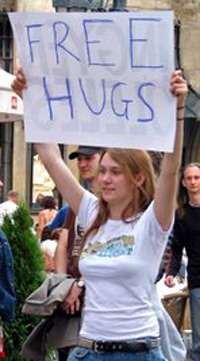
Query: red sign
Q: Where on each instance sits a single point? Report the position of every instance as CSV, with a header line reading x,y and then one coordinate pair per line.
x,y
14,104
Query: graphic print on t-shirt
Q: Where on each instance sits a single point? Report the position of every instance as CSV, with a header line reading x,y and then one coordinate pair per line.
x,y
115,247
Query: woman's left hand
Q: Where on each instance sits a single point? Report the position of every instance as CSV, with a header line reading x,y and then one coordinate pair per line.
x,y
179,88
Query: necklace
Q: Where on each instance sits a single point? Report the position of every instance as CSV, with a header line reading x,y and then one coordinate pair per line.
x,y
194,205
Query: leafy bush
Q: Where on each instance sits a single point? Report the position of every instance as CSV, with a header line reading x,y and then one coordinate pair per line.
x,y
29,274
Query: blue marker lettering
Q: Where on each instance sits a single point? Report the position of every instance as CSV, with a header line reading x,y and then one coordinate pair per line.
x,y
57,43
90,42
140,96
97,112
133,40
125,101
30,42
50,99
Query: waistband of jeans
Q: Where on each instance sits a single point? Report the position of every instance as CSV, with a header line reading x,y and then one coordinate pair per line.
x,y
132,345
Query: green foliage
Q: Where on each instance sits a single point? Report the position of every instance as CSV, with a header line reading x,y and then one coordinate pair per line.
x,y
29,274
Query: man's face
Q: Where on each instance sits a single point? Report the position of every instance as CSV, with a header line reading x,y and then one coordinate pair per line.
x,y
88,166
191,179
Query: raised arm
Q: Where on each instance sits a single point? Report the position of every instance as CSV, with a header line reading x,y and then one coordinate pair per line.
x,y
167,183
65,181
60,258
50,155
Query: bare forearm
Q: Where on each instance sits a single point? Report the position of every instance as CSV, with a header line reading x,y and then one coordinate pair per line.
x,y
167,182
60,259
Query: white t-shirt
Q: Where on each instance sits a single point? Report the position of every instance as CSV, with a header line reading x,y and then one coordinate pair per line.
x,y
119,265
7,208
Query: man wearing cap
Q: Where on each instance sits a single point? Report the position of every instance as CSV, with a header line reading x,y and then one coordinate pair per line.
x,y
87,162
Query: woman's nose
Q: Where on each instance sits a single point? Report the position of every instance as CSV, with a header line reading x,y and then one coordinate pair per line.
x,y
106,177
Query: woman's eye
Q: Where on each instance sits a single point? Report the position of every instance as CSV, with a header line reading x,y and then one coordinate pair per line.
x,y
116,172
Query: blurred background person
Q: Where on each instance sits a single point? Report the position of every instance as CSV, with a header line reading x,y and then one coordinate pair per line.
x,y
186,235
9,206
48,248
47,214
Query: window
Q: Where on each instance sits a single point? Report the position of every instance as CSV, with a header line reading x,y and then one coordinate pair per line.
x,y
6,129
40,183
6,43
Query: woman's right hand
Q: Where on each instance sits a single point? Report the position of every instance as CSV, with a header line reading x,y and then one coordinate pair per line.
x,y
19,83
72,303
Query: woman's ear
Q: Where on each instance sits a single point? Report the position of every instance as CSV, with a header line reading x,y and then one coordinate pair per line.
x,y
140,178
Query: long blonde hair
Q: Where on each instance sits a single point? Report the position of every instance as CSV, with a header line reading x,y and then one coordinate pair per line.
x,y
132,163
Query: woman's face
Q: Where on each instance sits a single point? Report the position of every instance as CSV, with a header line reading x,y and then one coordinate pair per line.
x,y
116,187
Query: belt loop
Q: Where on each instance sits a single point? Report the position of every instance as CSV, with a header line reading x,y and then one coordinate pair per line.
x,y
148,342
95,346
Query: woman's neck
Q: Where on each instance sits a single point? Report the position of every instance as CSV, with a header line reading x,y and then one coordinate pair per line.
x,y
116,211
194,200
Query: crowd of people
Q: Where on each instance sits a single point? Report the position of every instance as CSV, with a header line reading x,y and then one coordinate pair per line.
x,y
110,237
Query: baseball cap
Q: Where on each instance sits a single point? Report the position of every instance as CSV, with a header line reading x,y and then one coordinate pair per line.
x,y
85,150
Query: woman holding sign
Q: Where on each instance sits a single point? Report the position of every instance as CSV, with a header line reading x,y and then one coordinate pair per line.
x,y
125,235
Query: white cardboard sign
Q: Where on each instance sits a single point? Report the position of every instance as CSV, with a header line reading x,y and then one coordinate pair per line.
x,y
98,78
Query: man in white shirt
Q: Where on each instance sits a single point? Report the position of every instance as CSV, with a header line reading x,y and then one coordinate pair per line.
x,y
9,207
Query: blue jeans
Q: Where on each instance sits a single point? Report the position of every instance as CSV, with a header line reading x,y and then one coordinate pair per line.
x,y
195,320
87,354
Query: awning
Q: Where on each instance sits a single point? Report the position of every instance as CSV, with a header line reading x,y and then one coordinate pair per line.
x,y
193,104
11,106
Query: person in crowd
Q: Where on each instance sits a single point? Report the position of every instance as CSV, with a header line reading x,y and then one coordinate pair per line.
x,y
9,206
47,214
124,229
59,218
55,234
186,235
7,281
37,205
48,248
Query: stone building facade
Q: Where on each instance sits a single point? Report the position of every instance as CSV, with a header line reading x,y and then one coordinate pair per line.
x,y
187,12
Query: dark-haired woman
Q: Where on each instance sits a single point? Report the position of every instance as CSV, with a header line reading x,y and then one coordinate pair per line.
x,y
47,214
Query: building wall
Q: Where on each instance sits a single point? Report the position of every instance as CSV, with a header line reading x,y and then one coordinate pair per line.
x,y
34,5
7,4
